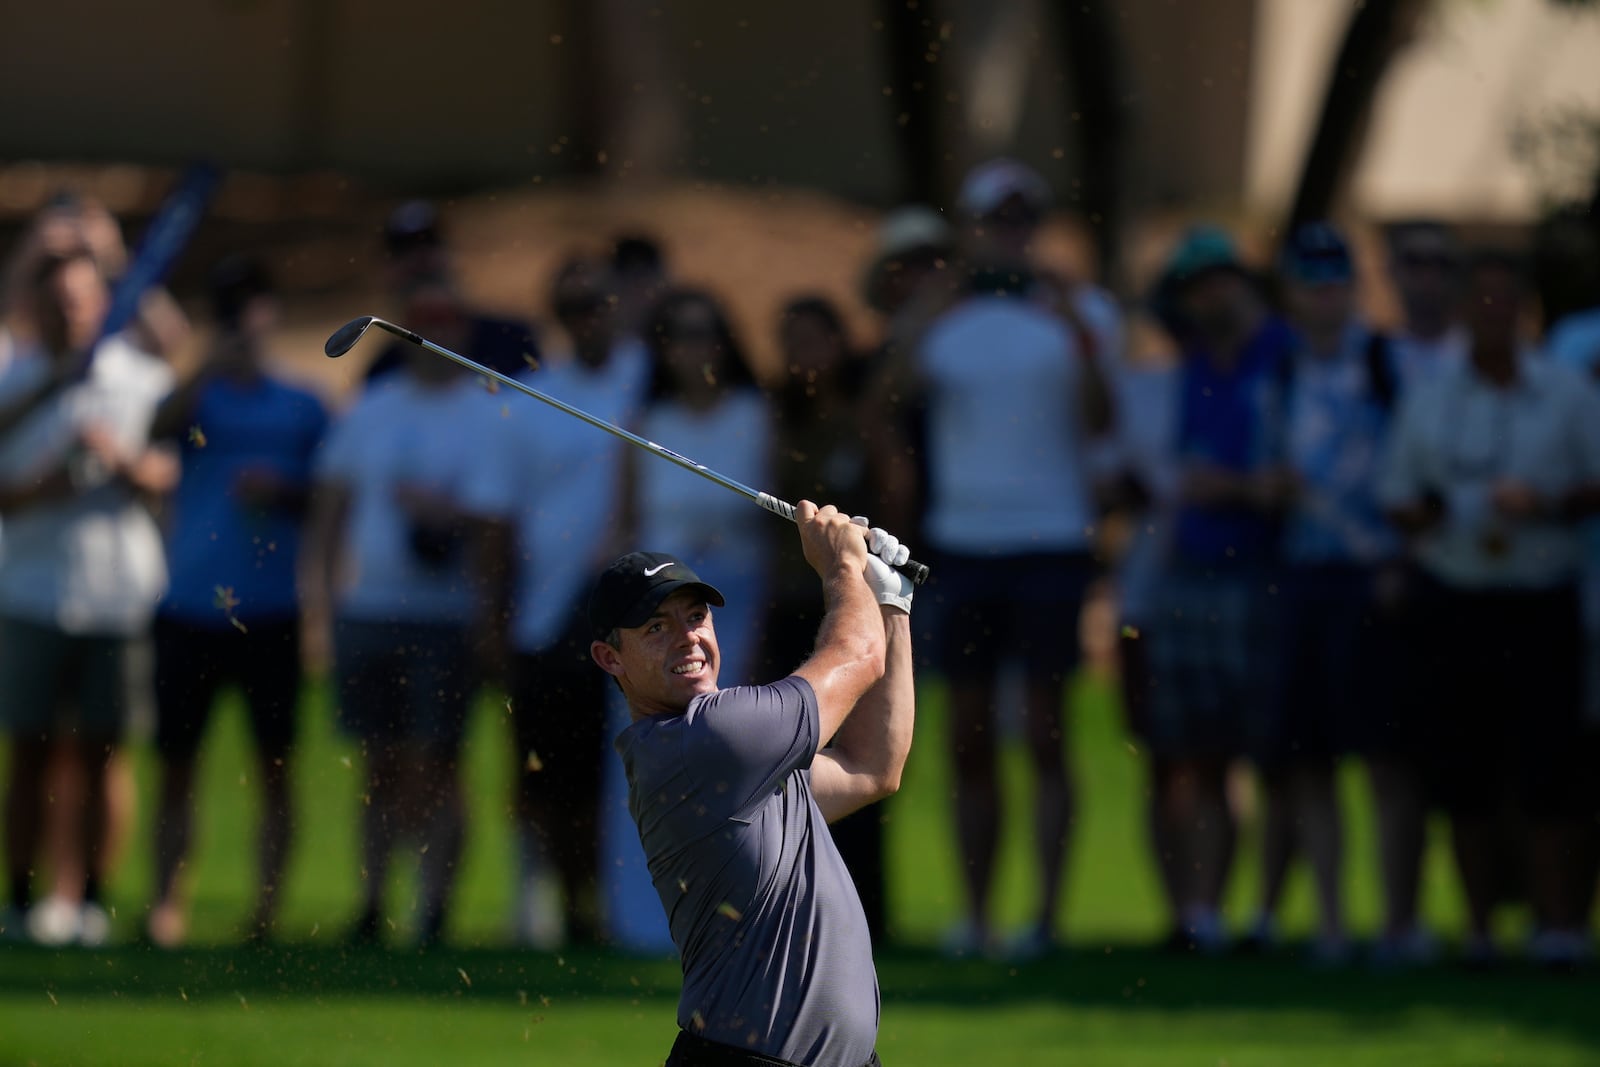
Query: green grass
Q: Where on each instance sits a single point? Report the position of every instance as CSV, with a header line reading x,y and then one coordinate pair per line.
x,y
1107,1002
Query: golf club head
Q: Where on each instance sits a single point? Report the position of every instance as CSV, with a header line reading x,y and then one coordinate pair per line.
x,y
346,336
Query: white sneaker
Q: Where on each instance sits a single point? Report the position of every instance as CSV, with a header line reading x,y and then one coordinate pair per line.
x,y
537,923
54,921
94,926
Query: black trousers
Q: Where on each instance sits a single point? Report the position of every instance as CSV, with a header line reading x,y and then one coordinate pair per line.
x,y
691,1051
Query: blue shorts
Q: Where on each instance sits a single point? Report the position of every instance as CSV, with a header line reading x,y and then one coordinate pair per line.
x,y
988,608
1337,691
403,680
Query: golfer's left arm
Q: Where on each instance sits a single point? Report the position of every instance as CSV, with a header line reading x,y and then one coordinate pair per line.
x,y
863,763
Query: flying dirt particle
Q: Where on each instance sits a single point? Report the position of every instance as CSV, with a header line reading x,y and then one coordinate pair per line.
x,y
197,437
535,764
728,911
464,977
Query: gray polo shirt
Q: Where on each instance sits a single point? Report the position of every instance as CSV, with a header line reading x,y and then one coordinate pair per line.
x,y
776,954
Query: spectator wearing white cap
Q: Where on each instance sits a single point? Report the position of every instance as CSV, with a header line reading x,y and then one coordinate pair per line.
x,y
908,281
1008,390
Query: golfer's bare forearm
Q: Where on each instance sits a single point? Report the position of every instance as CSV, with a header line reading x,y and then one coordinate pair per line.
x,y
876,739
849,657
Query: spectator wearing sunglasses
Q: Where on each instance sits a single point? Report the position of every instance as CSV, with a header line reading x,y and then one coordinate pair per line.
x,y
416,252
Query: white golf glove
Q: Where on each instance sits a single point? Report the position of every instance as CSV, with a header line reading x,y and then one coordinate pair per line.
x,y
884,554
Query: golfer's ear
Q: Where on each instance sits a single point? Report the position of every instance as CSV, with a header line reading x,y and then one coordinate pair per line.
x,y
606,658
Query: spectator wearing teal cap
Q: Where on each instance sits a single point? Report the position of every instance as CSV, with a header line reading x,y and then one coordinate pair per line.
x,y
1211,649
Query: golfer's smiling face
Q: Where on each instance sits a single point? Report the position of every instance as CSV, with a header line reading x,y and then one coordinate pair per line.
x,y
672,658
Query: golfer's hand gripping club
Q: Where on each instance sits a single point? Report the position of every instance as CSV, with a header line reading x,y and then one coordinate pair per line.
x,y
346,336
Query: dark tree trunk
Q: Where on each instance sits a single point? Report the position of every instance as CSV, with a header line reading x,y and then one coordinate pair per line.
x,y
1378,30
913,105
1093,57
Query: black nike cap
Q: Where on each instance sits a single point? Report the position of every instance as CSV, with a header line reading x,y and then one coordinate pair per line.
x,y
628,592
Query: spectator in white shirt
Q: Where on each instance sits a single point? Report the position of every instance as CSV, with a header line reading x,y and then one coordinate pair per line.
x,y
390,546
1491,465
81,572
554,487
703,401
1006,388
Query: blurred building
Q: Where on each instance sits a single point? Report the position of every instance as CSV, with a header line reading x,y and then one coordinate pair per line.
x,y
1218,98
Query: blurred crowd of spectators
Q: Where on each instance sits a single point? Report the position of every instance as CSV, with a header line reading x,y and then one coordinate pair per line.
x,y
1328,541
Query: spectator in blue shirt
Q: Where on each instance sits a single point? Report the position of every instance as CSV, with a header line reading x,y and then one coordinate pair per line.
x,y
1211,653
231,614
1336,691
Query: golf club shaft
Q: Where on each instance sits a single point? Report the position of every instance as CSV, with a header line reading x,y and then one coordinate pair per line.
x,y
917,572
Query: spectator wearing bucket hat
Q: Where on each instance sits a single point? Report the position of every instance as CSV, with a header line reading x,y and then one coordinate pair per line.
x,y
1214,605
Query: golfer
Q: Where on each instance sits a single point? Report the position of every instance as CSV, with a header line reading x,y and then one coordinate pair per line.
x,y
731,790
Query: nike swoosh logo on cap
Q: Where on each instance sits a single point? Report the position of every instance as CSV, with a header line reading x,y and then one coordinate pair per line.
x,y
651,572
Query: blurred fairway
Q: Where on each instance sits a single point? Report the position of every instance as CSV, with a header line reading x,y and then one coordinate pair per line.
x,y
1108,1001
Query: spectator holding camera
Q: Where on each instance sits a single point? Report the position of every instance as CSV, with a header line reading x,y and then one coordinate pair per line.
x,y
393,559
80,575
1491,464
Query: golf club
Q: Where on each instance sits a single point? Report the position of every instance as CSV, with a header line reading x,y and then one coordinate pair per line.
x,y
346,336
